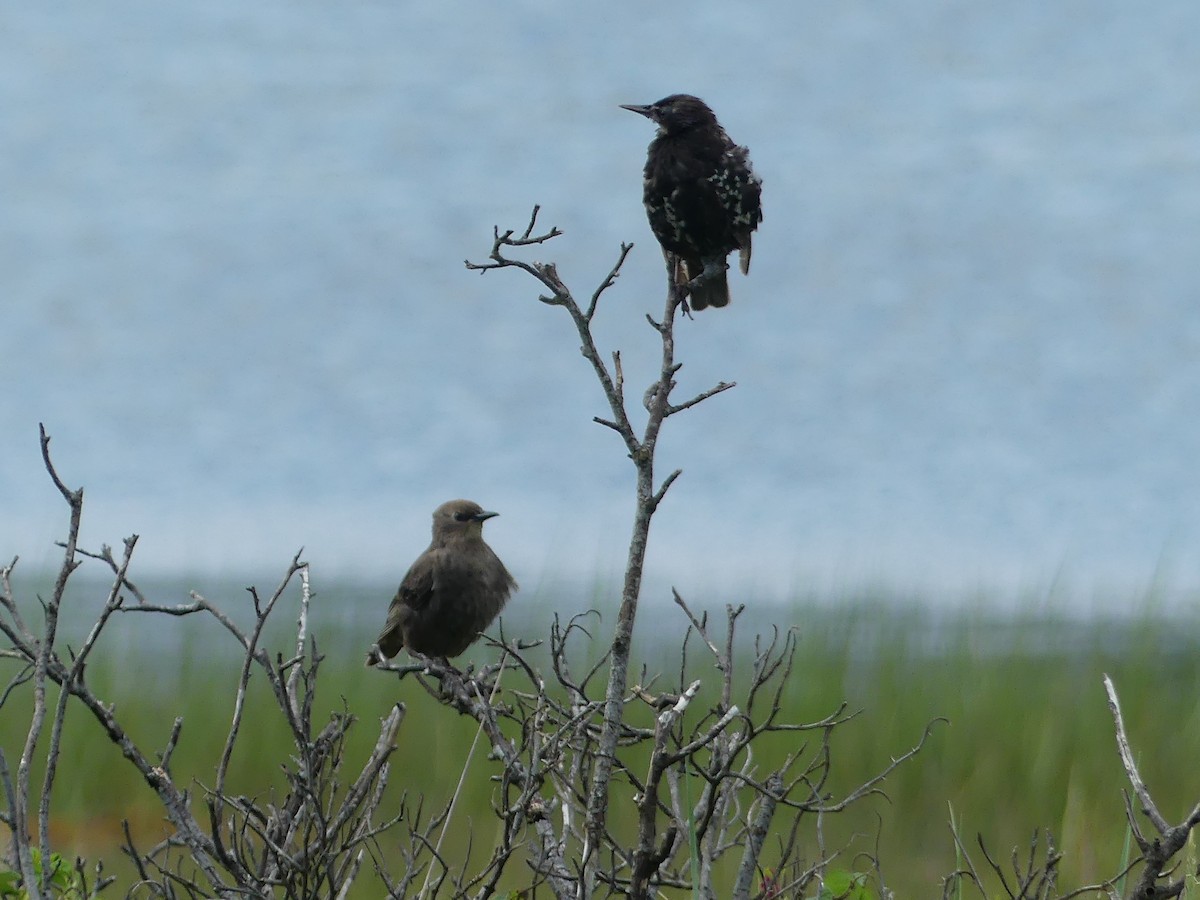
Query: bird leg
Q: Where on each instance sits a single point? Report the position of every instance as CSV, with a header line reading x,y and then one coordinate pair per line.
x,y
695,293
677,277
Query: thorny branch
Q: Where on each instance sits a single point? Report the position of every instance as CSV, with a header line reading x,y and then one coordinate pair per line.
x,y
318,835
1036,879
1157,852
641,449
697,800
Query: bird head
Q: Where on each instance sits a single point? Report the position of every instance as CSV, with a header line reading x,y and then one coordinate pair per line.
x,y
676,113
459,519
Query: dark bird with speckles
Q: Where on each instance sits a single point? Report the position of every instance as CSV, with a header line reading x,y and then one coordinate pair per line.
x,y
701,195
451,593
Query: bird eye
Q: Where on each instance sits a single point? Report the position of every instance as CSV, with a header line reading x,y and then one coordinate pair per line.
x,y
462,517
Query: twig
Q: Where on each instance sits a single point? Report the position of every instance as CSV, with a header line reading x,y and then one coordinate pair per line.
x,y
756,837
462,777
1156,853
1131,771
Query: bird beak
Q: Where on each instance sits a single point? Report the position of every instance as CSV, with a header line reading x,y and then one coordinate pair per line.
x,y
640,110
485,515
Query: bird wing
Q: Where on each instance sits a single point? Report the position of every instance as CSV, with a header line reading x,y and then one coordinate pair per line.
x,y
417,590
703,204
420,582
744,199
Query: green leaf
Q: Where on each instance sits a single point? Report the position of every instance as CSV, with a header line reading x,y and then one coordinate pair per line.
x,y
62,875
842,885
8,884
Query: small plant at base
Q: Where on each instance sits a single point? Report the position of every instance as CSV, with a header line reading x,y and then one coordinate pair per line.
x,y
66,882
842,885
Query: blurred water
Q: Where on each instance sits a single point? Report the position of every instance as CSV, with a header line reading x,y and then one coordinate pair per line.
x,y
231,244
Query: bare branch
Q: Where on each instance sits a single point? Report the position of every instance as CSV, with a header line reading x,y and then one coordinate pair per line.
x,y
757,836
1156,853
869,786
608,281
1127,760
701,397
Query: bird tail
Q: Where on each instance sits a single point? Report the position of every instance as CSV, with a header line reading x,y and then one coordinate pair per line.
x,y
714,291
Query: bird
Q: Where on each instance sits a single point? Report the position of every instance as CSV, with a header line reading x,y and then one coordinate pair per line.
x,y
453,591
702,196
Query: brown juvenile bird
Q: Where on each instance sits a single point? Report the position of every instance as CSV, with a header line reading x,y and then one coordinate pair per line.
x,y
702,197
451,593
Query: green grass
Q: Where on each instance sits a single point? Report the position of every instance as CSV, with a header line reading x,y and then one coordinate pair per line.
x,y
1029,743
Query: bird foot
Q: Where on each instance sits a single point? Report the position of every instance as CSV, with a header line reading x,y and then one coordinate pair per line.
x,y
686,289
681,292
439,667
